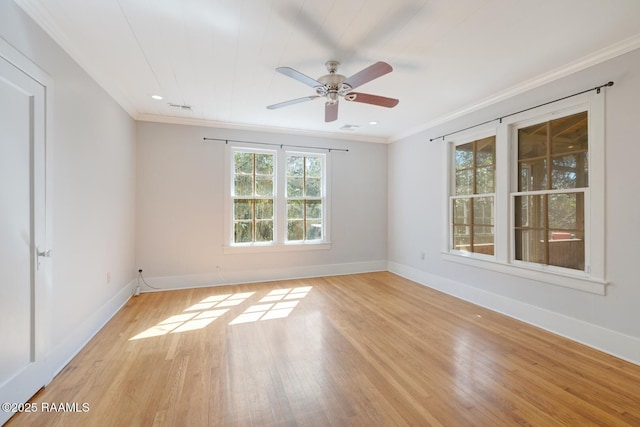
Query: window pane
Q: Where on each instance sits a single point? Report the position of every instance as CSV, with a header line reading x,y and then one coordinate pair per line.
x,y
314,209
486,151
295,209
464,182
532,141
462,211
295,166
530,246
563,211
264,231
243,232
264,185
264,209
243,209
314,167
243,163
569,134
462,238
314,229
264,164
483,211
530,211
243,185
313,187
464,156
570,171
533,175
295,230
483,240
566,249
485,180
295,187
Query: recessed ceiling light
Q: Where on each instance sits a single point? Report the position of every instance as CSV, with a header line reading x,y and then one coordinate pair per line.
x,y
158,97
373,123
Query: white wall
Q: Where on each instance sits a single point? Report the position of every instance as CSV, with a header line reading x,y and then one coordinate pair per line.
x,y
91,183
416,175
180,210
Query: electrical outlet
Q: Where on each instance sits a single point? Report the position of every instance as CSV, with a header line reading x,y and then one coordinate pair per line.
x,y
422,255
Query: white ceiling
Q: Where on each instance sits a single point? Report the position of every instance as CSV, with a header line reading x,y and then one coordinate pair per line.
x,y
219,56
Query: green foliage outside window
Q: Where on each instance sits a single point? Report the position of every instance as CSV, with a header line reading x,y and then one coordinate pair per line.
x,y
253,190
304,198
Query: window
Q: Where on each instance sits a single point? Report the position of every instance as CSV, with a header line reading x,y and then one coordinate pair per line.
x,y
253,197
526,196
473,202
552,181
305,192
277,199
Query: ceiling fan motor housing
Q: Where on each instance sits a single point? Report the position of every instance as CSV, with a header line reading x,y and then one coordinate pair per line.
x,y
332,83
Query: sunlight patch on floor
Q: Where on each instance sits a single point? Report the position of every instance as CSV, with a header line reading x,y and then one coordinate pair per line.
x,y
277,304
195,317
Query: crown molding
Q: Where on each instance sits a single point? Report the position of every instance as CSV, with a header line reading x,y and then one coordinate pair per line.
x,y
610,52
156,118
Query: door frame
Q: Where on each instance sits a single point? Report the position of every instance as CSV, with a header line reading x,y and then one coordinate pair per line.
x,y
45,297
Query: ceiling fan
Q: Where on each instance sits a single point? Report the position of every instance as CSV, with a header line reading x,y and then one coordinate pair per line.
x,y
332,86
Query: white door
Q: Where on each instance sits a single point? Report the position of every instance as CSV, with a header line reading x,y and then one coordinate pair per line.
x,y
22,220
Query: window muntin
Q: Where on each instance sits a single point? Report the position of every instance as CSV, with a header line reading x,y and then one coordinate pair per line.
x,y
472,204
549,206
305,195
253,194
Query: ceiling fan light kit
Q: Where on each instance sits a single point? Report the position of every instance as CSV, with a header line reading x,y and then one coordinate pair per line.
x,y
332,86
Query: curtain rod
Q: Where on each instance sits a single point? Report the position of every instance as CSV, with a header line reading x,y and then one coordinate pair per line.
x,y
597,89
226,141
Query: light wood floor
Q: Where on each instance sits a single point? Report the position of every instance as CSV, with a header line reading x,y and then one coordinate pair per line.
x,y
363,350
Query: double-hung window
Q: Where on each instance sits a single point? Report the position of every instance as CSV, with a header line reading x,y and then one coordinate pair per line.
x,y
253,196
472,204
526,196
305,197
549,204
277,199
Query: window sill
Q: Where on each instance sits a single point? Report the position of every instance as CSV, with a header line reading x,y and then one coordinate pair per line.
x,y
276,247
580,281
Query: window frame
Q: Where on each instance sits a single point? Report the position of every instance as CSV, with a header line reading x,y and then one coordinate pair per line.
x,y
515,192
279,243
451,192
592,279
305,198
254,197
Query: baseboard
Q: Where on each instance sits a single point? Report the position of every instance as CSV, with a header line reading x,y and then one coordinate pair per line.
x,y
233,277
77,338
615,343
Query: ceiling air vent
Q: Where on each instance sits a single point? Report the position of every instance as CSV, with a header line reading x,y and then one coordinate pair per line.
x,y
349,127
182,107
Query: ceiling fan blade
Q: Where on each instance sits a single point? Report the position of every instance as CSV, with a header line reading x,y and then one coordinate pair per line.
x,y
330,112
297,75
367,98
292,101
371,72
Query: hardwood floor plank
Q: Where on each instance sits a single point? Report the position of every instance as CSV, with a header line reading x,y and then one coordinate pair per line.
x,y
370,349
